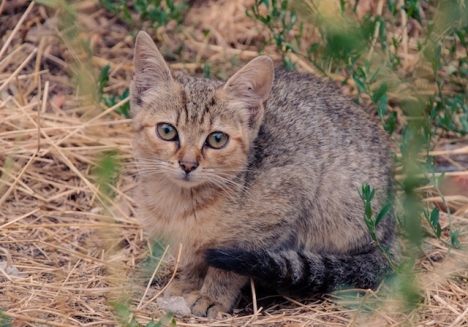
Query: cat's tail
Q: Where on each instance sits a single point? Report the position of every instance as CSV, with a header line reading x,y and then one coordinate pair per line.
x,y
303,273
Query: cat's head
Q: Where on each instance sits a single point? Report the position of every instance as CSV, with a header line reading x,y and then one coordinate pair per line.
x,y
192,131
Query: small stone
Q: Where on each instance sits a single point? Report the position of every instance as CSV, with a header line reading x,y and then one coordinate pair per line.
x,y
97,210
175,304
10,270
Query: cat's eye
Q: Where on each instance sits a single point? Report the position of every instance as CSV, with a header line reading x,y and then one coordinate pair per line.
x,y
166,131
217,140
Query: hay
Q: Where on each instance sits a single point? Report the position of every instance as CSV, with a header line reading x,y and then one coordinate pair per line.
x,y
75,251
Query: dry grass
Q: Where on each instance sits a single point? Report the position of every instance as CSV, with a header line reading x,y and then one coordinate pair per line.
x,y
74,251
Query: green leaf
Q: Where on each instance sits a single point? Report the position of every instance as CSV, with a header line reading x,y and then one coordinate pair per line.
x,y
369,225
121,309
438,231
440,178
382,106
4,320
434,219
150,324
359,84
374,76
368,211
382,213
379,93
103,79
48,3
166,319
265,2
454,238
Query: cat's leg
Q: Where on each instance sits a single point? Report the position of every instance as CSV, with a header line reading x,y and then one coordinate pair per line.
x,y
219,293
188,280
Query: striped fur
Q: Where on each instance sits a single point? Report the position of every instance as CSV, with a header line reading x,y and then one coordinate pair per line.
x,y
279,202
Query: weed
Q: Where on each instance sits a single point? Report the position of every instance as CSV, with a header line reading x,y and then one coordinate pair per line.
x,y
367,194
347,45
280,21
107,173
102,81
4,321
158,12
111,100
126,318
361,49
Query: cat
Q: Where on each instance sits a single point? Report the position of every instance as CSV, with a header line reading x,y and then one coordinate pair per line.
x,y
257,177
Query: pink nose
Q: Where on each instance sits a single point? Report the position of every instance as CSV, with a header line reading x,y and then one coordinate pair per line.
x,y
188,166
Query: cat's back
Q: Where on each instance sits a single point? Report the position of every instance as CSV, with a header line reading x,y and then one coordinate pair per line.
x,y
309,118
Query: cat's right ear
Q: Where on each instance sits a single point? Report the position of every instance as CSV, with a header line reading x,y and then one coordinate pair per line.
x,y
250,87
150,69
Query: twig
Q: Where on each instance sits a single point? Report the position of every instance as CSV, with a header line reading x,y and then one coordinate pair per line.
x,y
459,318
353,321
170,280
19,218
376,31
1,6
16,72
12,186
18,25
152,277
35,320
404,23
254,296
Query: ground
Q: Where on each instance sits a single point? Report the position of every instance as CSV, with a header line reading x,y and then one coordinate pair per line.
x,y
70,246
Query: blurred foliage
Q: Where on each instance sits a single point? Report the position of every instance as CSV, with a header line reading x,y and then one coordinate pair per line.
x,y
361,49
106,173
126,319
370,54
4,321
367,194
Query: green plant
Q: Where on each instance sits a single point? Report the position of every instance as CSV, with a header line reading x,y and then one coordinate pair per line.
x,y
375,64
367,194
4,320
361,50
280,21
111,100
126,318
107,173
158,12
102,81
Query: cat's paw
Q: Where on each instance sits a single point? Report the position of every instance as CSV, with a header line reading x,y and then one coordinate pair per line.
x,y
204,305
180,288
173,290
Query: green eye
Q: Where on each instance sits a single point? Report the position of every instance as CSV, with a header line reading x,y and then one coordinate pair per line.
x,y
217,140
166,131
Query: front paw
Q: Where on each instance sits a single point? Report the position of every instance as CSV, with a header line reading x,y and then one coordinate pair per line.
x,y
180,288
204,305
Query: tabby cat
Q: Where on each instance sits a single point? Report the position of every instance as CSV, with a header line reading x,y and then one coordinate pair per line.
x,y
257,177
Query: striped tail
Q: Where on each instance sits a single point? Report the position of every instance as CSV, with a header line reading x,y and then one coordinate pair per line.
x,y
303,273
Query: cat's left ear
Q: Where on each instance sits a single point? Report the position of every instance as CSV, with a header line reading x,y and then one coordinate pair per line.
x,y
151,70
251,86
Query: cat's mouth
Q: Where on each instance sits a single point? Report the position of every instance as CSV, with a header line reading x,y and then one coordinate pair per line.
x,y
187,180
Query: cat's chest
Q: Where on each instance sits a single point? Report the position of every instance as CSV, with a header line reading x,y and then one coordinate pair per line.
x,y
183,218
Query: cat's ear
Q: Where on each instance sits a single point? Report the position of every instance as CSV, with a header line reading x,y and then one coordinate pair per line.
x,y
150,68
251,87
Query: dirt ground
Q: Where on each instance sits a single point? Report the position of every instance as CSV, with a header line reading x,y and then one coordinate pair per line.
x,y
67,251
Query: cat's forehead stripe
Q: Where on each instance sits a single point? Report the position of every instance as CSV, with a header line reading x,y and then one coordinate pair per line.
x,y
197,99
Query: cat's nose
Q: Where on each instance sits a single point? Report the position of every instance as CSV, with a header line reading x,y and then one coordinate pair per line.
x,y
188,166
